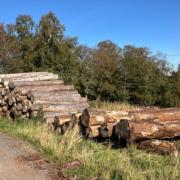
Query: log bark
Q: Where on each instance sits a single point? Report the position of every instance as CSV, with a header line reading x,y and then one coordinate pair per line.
x,y
159,146
3,92
66,98
34,114
59,108
129,131
85,118
106,118
45,102
39,92
30,74
46,88
106,130
94,131
162,114
68,126
11,85
10,100
37,83
98,131
102,117
53,114
66,118
40,78
4,109
67,107
27,77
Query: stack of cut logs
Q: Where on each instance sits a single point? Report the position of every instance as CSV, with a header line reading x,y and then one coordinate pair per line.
x,y
42,94
151,129
26,95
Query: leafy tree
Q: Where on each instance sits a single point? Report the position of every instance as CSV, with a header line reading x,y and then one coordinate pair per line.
x,y
52,51
99,69
105,72
24,26
9,51
143,76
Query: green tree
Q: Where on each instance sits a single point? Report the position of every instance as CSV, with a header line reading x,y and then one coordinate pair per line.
x,y
52,51
99,71
9,51
143,75
24,27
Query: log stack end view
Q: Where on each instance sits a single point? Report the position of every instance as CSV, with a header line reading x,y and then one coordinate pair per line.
x,y
26,95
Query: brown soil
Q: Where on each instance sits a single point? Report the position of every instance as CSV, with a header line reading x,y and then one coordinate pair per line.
x,y
20,161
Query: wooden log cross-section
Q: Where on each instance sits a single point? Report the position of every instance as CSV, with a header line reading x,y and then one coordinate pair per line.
x,y
27,94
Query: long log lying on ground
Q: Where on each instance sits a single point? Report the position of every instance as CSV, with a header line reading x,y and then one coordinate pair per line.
x,y
37,83
59,107
159,146
53,114
80,101
93,118
55,92
163,114
64,98
130,131
41,78
5,78
47,88
30,74
106,118
39,94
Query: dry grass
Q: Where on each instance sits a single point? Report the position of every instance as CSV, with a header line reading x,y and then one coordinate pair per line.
x,y
98,160
115,106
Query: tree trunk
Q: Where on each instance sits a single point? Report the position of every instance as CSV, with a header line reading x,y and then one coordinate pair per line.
x,y
129,131
152,113
37,83
46,88
159,146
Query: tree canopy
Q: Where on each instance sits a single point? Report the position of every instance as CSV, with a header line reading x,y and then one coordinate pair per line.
x,y
105,72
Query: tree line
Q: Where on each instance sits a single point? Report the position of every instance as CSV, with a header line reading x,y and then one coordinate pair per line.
x,y
106,72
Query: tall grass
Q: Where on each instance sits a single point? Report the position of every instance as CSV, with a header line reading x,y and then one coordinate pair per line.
x,y
99,161
112,106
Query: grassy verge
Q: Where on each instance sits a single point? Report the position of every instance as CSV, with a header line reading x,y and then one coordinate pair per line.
x,y
115,106
98,160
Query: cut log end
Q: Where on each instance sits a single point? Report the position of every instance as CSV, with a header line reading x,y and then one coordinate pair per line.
x,y
122,132
85,118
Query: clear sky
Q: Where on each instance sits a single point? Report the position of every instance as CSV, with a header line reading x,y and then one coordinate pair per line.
x,y
151,23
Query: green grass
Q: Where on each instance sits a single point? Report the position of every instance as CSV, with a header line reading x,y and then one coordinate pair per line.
x,y
98,160
112,106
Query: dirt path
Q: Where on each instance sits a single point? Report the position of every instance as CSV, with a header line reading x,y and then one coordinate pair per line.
x,y
19,161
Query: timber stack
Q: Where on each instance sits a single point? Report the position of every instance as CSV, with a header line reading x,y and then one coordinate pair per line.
x,y
27,95
43,95
154,130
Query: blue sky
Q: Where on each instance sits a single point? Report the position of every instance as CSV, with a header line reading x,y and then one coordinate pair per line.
x,y
151,23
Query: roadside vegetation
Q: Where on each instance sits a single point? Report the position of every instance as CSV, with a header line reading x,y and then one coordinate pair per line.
x,y
112,106
98,160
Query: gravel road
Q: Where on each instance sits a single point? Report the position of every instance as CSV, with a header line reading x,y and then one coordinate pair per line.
x,y
20,161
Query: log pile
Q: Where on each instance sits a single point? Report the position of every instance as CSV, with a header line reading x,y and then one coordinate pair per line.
x,y
27,95
153,131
